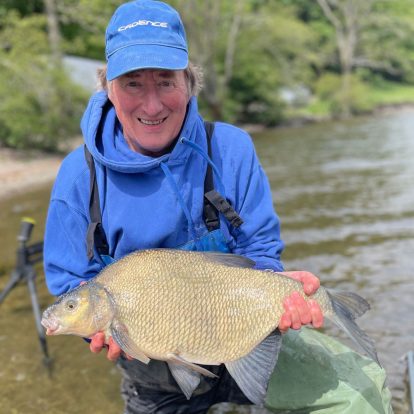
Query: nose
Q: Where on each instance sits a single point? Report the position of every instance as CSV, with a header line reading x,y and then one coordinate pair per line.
x,y
152,104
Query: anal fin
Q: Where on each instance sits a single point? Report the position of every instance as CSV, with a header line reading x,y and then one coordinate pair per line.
x,y
186,374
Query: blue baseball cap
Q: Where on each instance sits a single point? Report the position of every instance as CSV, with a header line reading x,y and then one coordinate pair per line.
x,y
144,34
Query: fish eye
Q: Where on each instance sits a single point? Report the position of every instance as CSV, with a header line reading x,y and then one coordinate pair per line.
x,y
71,304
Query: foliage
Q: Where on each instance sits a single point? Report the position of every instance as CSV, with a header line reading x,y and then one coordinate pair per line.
x,y
243,77
24,7
83,24
328,90
388,41
250,51
39,107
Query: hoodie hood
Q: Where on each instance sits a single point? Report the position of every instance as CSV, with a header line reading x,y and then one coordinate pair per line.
x,y
105,140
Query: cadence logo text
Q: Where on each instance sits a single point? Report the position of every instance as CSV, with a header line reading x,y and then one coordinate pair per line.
x,y
142,23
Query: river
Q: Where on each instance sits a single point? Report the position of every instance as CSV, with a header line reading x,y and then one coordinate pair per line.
x,y
343,191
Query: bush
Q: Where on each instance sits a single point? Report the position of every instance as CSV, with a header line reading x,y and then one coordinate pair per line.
x,y
39,105
328,88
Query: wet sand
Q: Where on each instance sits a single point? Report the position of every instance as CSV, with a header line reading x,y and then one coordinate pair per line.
x,y
21,171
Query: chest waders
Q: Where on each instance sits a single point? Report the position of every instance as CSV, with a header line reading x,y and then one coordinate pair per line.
x,y
151,388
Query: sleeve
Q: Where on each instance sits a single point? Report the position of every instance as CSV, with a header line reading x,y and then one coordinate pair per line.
x,y
65,259
259,236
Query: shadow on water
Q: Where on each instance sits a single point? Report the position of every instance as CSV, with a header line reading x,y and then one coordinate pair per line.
x,y
343,193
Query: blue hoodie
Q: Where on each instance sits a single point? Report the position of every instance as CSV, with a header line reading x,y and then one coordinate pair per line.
x,y
140,204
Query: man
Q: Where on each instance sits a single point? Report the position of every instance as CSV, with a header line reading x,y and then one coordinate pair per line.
x,y
154,175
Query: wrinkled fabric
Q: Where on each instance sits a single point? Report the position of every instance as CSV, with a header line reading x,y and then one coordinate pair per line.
x,y
154,390
213,241
317,374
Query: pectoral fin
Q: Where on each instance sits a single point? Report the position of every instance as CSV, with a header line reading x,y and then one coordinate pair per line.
x,y
186,374
253,371
120,334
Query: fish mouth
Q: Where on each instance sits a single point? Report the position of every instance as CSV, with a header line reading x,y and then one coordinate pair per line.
x,y
52,326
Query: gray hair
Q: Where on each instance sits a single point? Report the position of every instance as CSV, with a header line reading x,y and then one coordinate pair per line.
x,y
193,75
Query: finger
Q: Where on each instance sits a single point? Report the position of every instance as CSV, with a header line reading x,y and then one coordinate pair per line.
x,y
97,342
293,313
302,308
310,283
316,312
114,351
285,322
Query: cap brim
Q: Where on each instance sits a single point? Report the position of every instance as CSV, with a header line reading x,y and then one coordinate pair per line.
x,y
137,57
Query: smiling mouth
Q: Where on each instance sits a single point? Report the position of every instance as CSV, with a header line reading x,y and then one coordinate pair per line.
x,y
152,123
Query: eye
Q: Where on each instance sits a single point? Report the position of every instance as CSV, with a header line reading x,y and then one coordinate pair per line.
x,y
166,85
71,304
133,86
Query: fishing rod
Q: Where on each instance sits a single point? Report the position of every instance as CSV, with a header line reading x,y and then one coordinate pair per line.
x,y
26,257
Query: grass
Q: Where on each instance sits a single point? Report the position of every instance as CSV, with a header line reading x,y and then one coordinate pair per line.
x,y
366,99
391,93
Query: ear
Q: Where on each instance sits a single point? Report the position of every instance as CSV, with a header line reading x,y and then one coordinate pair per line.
x,y
109,91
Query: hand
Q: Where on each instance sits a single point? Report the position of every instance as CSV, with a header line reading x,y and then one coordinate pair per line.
x,y
98,343
298,311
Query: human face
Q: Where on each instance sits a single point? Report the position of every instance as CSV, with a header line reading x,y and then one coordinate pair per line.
x,y
151,107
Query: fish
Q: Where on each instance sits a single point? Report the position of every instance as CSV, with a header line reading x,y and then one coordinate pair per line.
x,y
197,308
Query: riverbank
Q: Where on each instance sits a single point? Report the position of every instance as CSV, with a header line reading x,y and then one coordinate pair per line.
x,y
22,170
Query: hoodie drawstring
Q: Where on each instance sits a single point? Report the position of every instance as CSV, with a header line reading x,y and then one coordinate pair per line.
x,y
217,199
200,151
184,207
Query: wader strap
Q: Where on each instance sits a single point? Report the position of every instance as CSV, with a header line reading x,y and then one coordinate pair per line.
x,y
224,207
211,217
95,236
214,202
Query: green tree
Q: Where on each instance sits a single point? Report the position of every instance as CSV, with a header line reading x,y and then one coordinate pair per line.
x,y
248,50
83,24
24,7
275,50
388,43
38,105
373,34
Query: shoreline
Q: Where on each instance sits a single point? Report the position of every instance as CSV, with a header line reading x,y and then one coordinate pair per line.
x,y
22,170
300,121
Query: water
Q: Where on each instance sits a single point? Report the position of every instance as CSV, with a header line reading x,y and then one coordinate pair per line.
x,y
343,192
344,195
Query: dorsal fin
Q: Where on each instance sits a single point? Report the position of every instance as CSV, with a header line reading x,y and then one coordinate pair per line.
x,y
229,259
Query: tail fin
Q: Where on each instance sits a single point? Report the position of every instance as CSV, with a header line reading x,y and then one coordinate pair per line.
x,y
347,307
